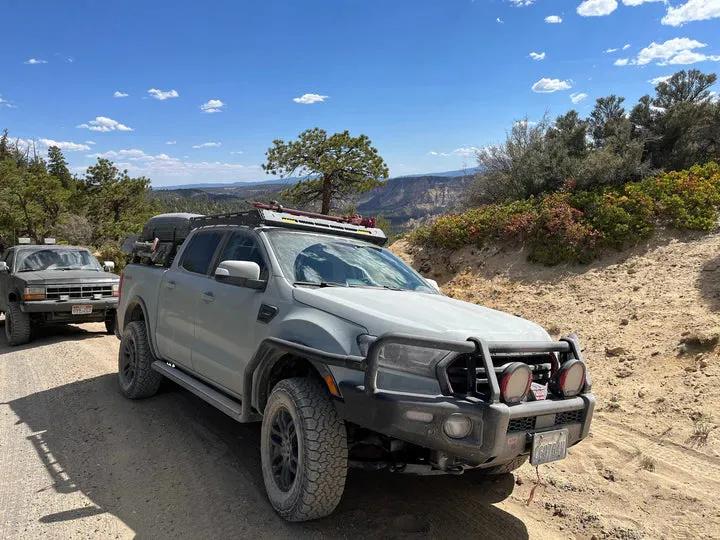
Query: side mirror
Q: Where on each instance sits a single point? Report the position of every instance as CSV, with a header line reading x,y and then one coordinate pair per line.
x,y
109,266
4,269
241,273
433,283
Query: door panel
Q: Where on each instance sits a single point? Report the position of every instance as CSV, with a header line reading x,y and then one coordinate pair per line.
x,y
179,296
225,331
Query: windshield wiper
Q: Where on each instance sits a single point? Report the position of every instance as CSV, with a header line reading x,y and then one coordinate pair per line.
x,y
320,283
368,286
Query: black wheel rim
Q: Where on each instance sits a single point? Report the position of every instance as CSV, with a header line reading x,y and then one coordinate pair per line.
x,y
283,449
128,363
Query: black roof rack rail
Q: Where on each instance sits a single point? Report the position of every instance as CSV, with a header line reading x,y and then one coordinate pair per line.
x,y
277,216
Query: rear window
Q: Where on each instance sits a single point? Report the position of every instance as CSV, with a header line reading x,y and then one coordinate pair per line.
x,y
201,251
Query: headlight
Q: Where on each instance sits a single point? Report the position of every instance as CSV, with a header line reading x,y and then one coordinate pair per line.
x,y
411,359
457,426
515,381
116,289
34,293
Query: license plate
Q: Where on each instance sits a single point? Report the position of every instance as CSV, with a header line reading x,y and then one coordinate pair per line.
x,y
549,446
81,310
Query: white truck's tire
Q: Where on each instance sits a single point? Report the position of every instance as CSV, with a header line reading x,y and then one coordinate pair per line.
x,y
304,452
136,376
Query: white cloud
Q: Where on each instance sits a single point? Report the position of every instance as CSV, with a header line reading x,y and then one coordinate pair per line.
x,y
521,3
119,94
499,20
611,50
537,56
162,95
34,61
674,51
237,152
307,99
208,145
626,46
464,152
91,143
65,145
692,10
578,97
621,62
596,8
170,142
658,80
553,19
69,59
212,106
104,124
5,103
545,85
638,2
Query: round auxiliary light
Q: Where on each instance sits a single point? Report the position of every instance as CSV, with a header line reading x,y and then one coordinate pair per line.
x,y
515,381
569,380
457,426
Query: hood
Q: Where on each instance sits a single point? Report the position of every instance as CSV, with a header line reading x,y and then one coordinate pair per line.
x,y
430,315
56,277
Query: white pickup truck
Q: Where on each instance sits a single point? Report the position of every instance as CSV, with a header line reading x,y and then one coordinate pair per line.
x,y
346,355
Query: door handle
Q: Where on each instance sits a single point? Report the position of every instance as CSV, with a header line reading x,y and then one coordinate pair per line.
x,y
170,284
207,296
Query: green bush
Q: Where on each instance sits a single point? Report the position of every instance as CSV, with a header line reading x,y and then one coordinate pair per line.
x,y
576,226
111,251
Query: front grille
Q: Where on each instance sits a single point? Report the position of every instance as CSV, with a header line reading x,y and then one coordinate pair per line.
x,y
570,417
526,423
78,291
540,364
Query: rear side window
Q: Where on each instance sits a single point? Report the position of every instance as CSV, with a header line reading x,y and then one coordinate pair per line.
x,y
200,253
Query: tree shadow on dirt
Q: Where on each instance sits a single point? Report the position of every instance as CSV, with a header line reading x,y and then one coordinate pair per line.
x,y
511,261
172,466
709,282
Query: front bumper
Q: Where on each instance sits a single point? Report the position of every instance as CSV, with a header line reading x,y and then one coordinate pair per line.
x,y
61,310
495,437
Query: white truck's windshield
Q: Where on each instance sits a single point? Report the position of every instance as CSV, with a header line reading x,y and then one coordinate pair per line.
x,y
34,260
316,259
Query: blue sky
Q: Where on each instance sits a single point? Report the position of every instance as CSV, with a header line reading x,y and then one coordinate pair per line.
x,y
427,80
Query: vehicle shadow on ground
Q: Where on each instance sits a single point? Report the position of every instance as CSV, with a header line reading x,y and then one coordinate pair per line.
x,y
709,282
48,335
172,466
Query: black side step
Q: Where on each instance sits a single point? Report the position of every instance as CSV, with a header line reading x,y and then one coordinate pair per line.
x,y
234,409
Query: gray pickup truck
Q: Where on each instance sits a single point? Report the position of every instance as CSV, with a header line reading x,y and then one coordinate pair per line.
x,y
50,284
347,356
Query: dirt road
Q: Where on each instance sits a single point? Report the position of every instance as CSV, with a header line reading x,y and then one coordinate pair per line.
x,y
79,461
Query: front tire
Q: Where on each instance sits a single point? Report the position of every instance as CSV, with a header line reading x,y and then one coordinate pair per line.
x,y
136,376
17,325
303,448
111,324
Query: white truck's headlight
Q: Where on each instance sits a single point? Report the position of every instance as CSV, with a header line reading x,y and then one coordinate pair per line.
x,y
407,358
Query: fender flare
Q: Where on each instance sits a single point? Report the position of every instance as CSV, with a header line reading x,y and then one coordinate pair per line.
x,y
273,349
130,307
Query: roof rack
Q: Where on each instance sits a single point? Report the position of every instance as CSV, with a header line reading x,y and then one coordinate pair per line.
x,y
277,216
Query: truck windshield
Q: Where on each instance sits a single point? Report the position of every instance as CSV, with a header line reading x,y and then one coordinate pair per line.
x,y
320,260
34,260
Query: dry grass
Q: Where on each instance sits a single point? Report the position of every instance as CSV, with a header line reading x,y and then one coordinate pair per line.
x,y
700,433
648,463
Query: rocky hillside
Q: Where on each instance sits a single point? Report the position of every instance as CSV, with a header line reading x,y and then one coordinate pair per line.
x,y
649,321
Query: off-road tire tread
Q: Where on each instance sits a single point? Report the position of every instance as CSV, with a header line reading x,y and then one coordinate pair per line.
x,y
20,326
147,380
326,453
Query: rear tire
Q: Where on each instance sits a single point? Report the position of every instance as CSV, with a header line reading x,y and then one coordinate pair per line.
x,y
17,325
303,448
136,376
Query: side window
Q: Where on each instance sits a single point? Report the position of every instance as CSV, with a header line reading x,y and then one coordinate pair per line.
x,y
199,254
9,258
242,247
